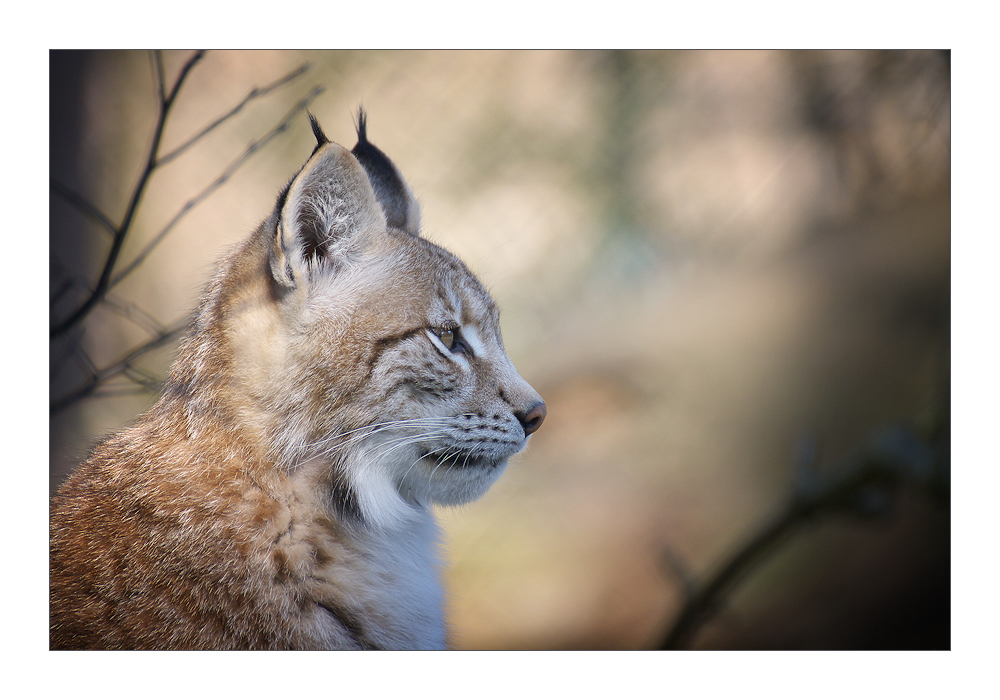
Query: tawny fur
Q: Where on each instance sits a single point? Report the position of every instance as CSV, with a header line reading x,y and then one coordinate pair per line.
x,y
340,376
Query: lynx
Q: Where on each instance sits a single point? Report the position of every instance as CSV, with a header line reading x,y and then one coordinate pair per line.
x,y
341,375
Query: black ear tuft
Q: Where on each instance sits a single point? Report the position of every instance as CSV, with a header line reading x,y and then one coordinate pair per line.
x,y
317,131
400,208
328,208
362,126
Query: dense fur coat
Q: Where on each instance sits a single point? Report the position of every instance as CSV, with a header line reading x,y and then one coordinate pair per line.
x,y
341,375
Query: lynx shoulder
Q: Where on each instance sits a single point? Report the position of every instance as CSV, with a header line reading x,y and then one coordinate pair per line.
x,y
341,375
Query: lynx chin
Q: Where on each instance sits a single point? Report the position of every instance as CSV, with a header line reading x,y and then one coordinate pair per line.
x,y
341,375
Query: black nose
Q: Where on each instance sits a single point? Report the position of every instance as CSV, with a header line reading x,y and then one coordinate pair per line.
x,y
531,420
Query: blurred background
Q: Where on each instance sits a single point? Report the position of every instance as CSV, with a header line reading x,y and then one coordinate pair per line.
x,y
725,272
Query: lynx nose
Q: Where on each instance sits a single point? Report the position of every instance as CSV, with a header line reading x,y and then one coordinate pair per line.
x,y
532,419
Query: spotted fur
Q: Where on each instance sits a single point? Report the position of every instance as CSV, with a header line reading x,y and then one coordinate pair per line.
x,y
341,375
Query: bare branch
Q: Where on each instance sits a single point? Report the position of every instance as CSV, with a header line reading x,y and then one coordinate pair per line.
x,y
84,206
97,380
71,342
676,566
69,281
218,182
253,94
133,313
122,231
706,598
116,368
145,380
67,284
198,55
73,351
81,356
865,486
161,88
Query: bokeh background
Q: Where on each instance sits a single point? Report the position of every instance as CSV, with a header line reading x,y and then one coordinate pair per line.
x,y
704,261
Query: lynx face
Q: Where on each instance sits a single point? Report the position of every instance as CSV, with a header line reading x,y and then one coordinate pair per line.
x,y
380,356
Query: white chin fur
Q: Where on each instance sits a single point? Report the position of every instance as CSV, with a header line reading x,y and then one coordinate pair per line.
x,y
450,486
394,493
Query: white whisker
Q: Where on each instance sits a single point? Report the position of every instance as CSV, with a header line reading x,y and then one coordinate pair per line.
x,y
336,442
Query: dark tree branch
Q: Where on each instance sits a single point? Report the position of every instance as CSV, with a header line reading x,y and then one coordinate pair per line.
x,y
123,230
166,103
83,205
69,281
96,381
142,380
70,346
66,285
80,355
121,366
133,313
673,562
253,94
863,486
161,83
218,182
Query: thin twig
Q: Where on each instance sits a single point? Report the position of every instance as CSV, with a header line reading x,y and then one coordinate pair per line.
x,y
133,313
107,392
158,77
83,205
672,561
215,184
705,599
862,486
81,357
123,230
143,379
70,343
67,284
75,352
96,383
120,366
253,94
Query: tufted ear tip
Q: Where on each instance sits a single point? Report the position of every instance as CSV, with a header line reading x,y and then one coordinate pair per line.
x,y
362,126
397,201
328,207
317,130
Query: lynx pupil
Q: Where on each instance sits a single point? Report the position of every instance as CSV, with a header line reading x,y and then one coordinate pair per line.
x,y
447,337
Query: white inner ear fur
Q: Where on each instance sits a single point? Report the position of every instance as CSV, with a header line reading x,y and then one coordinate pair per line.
x,y
331,192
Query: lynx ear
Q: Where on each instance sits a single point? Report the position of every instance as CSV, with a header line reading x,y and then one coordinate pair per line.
x,y
329,205
398,203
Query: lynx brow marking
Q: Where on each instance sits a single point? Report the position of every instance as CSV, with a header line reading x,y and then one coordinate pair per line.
x,y
383,344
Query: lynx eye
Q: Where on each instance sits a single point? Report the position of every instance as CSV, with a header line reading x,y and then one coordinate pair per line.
x,y
451,338
448,337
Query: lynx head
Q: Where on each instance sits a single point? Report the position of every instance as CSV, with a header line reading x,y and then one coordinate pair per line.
x,y
367,352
